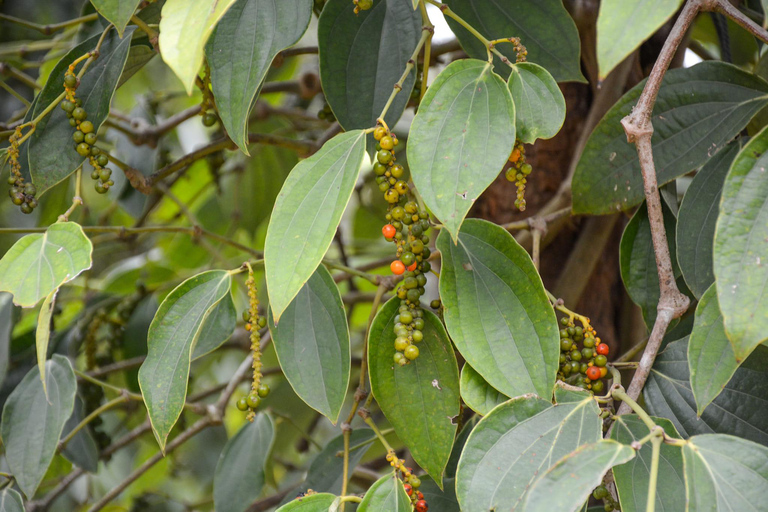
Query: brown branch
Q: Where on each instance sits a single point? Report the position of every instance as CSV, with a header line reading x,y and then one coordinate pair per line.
x,y
726,8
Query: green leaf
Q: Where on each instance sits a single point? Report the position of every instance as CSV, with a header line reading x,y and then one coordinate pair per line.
x,y
724,473
515,444
741,409
539,103
623,25
460,139
6,328
241,50
479,396
638,260
440,500
175,330
632,478
10,501
117,12
39,263
363,55
697,218
387,494
567,484
711,360
497,311
306,214
312,345
52,155
691,102
184,29
43,334
420,399
240,473
81,450
741,248
544,27
32,424
320,502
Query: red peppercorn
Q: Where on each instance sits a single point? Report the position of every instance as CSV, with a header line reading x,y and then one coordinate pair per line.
x,y
388,231
408,489
413,266
603,349
421,506
593,373
397,267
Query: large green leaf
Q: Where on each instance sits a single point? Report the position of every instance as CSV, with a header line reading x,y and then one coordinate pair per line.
x,y
539,104
440,500
118,12
32,424
699,109
240,473
567,484
515,444
312,345
43,334
10,501
39,263
241,50
711,360
52,155
387,494
697,218
314,503
741,248
479,396
173,334
6,327
632,478
497,311
741,409
638,260
623,25
306,214
460,139
363,55
420,399
543,26
184,29
724,473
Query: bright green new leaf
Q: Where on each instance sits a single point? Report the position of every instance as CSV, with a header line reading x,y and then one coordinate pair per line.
x,y
174,332
544,27
240,473
39,263
306,214
711,360
691,101
460,139
497,311
633,477
6,327
118,12
623,25
363,55
539,103
479,396
312,345
724,473
387,494
741,248
10,501
517,443
567,484
241,50
420,399
32,424
52,156
184,29
738,410
697,218
43,334
320,502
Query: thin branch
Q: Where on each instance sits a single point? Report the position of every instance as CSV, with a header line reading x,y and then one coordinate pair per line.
x,y
725,7
51,28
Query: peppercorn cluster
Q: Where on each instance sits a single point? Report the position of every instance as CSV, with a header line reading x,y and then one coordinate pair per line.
x,y
22,194
411,482
253,322
601,493
209,118
85,133
518,173
406,228
583,356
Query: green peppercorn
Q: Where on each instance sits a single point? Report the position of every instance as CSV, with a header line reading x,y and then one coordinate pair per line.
x,y
83,149
79,114
78,137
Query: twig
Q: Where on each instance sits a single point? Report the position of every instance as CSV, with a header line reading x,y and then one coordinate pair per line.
x,y
54,27
725,7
